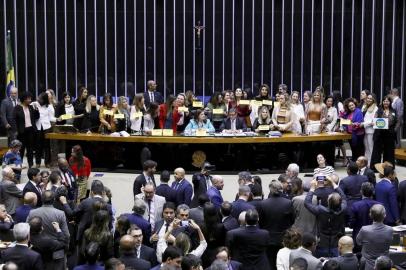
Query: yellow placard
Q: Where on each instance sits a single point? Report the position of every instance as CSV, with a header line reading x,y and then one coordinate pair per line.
x,y
136,115
156,132
267,102
183,109
108,112
345,121
201,132
263,127
66,116
167,132
119,116
244,102
256,102
276,103
218,111
197,104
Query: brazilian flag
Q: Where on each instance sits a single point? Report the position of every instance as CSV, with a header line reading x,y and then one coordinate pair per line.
x,y
10,81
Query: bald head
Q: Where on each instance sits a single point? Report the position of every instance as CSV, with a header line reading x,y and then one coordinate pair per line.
x,y
14,92
30,198
179,173
127,243
217,182
362,161
151,85
345,244
62,162
7,173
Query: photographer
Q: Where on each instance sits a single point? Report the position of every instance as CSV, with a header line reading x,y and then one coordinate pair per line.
x,y
330,219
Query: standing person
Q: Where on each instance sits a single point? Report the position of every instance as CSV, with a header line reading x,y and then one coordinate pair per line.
x,y
137,112
7,117
397,105
356,130
291,241
81,168
363,97
11,195
243,110
213,193
151,95
183,189
91,120
80,105
307,97
385,139
201,182
65,107
216,103
106,115
363,169
332,115
283,117
52,98
147,176
168,114
34,184
297,108
151,117
25,117
369,110
315,113
46,116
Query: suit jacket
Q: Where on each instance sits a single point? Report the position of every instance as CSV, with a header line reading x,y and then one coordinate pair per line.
x,y
139,182
351,186
375,240
197,215
215,196
158,202
157,98
249,245
131,261
73,186
360,215
19,118
29,187
386,194
22,213
370,175
50,214
148,254
312,262
304,219
10,196
239,124
166,191
234,265
199,187
347,261
46,246
402,201
25,258
276,215
399,108
184,192
6,112
144,225
240,206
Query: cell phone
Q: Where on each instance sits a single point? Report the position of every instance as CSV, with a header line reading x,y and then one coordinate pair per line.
x,y
184,223
320,180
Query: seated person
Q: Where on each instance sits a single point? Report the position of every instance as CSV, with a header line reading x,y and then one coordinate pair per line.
x,y
282,115
233,124
199,121
264,120
13,159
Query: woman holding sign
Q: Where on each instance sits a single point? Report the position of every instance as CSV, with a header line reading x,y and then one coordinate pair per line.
x,y
385,135
217,110
106,115
122,115
369,110
65,112
263,121
242,106
282,115
168,114
353,125
136,113
91,120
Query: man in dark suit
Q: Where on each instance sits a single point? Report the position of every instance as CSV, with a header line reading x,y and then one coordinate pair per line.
x,y
214,193
182,187
257,196
347,260
7,115
25,258
385,193
164,189
351,186
50,248
147,176
26,131
84,211
241,204
201,183
223,253
398,106
68,179
171,259
161,227
276,216
151,95
10,194
142,251
196,213
363,169
233,123
129,256
22,212
250,243
136,217
33,185
402,201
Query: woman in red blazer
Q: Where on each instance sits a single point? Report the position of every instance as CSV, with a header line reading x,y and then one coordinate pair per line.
x,y
168,114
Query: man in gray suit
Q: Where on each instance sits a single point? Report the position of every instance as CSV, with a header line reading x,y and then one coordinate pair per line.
x,y
397,105
154,203
375,239
49,214
10,195
305,252
7,115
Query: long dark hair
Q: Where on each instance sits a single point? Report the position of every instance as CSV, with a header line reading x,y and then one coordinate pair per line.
x,y
196,116
78,158
152,110
214,100
43,99
168,104
65,94
105,97
211,218
80,96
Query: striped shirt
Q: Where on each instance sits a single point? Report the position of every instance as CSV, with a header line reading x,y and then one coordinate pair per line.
x,y
328,170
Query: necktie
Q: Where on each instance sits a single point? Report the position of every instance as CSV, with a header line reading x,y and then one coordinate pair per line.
x,y
176,185
166,227
151,94
359,171
39,188
14,102
149,210
137,254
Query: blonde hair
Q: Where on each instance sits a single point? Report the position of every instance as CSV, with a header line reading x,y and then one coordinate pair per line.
x,y
89,106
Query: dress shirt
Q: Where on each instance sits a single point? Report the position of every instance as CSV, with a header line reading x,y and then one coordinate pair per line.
x,y
151,212
36,186
46,116
163,230
67,178
138,251
361,171
208,182
178,184
233,124
148,178
151,96
27,117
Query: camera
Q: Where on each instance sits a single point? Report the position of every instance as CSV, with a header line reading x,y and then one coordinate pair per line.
x,y
184,223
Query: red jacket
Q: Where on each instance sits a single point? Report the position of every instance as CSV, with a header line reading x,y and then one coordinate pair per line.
x,y
162,117
84,171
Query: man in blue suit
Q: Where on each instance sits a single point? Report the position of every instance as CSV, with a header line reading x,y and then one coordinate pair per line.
x,y
152,95
214,191
137,218
385,193
172,258
241,204
182,187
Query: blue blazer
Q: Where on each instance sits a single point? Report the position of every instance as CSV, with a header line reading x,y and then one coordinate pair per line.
x,y
184,192
385,193
240,206
144,225
215,196
360,214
